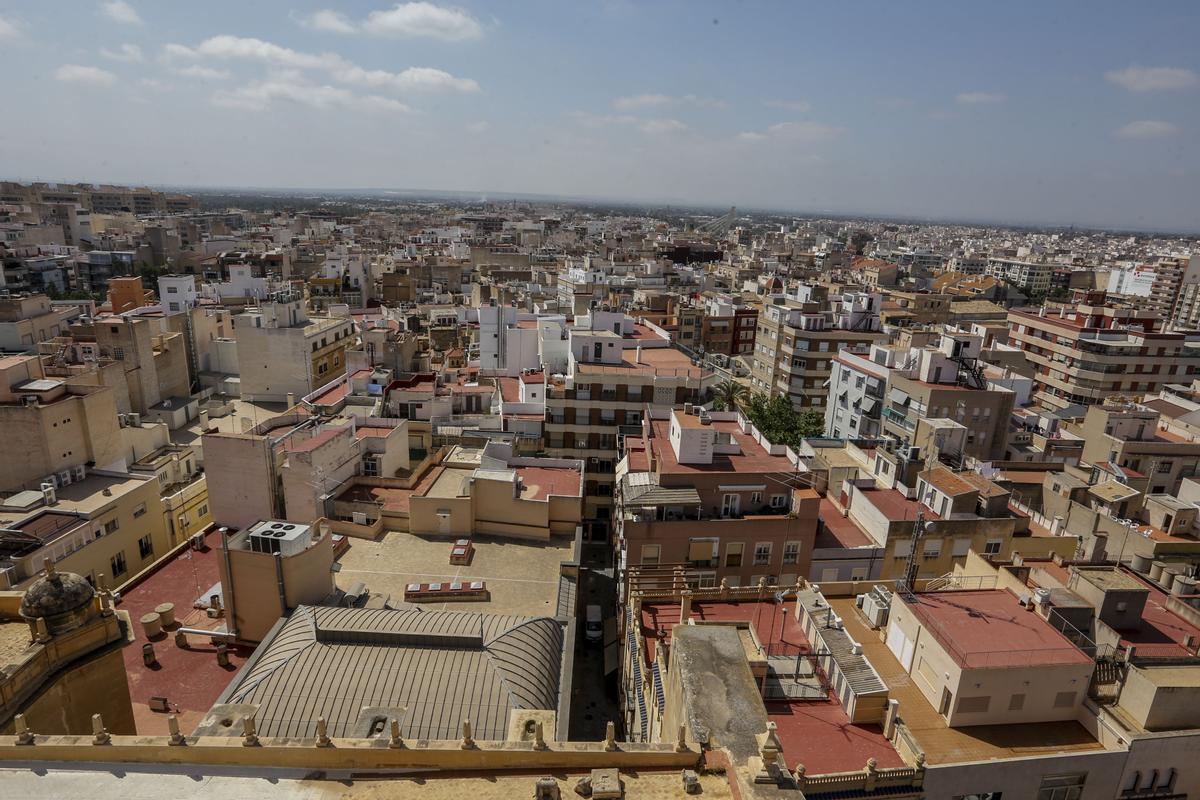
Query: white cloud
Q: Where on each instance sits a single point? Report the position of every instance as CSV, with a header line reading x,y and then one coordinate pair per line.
x,y
421,19
799,106
649,100
226,47
479,127
129,53
177,52
589,120
120,11
980,98
261,95
793,132
1146,129
1152,79
91,76
653,126
423,79
202,73
250,49
8,29
328,20
662,126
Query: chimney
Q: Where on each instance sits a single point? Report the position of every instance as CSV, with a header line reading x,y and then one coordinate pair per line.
x,y
639,355
291,399
203,419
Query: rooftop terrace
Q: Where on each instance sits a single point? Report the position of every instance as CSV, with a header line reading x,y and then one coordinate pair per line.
x,y
988,628
190,679
816,733
522,578
944,745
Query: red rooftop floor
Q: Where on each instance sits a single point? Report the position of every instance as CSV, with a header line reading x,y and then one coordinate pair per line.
x,y
1162,632
817,734
541,482
191,679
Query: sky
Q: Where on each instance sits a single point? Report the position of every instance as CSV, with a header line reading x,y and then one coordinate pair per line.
x,y
1083,113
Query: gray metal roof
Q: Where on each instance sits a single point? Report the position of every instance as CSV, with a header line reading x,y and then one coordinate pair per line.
x,y
640,489
439,667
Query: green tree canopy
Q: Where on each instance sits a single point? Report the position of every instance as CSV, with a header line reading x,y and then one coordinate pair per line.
x,y
781,423
730,395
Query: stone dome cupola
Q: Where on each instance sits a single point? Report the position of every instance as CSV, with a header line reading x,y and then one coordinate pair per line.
x,y
65,600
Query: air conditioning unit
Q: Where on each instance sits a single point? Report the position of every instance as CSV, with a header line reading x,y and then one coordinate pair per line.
x,y
65,477
80,472
122,420
51,479
29,399
359,518
135,419
197,541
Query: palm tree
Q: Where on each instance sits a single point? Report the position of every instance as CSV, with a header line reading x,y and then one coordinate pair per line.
x,y
730,395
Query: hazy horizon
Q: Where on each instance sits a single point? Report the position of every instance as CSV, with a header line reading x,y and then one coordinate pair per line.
x,y
1021,114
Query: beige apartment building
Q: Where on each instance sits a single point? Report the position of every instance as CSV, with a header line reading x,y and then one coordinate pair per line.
x,y
607,389
57,426
981,658
798,337
26,320
1129,438
153,358
283,353
699,492
523,498
1092,350
105,526
915,410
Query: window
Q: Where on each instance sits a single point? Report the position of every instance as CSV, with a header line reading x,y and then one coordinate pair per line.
x,y
1064,699
932,548
145,547
755,498
733,554
141,509
1062,787
119,353
117,564
111,526
650,554
778,500
992,547
202,510
791,552
1016,702
371,466
703,552
762,554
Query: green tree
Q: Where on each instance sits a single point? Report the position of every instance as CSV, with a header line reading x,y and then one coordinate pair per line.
x,y
730,396
777,420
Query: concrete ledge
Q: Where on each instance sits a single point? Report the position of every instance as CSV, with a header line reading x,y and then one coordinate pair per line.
x,y
342,754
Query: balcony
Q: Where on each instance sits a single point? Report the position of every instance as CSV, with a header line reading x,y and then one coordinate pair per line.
x,y
898,418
